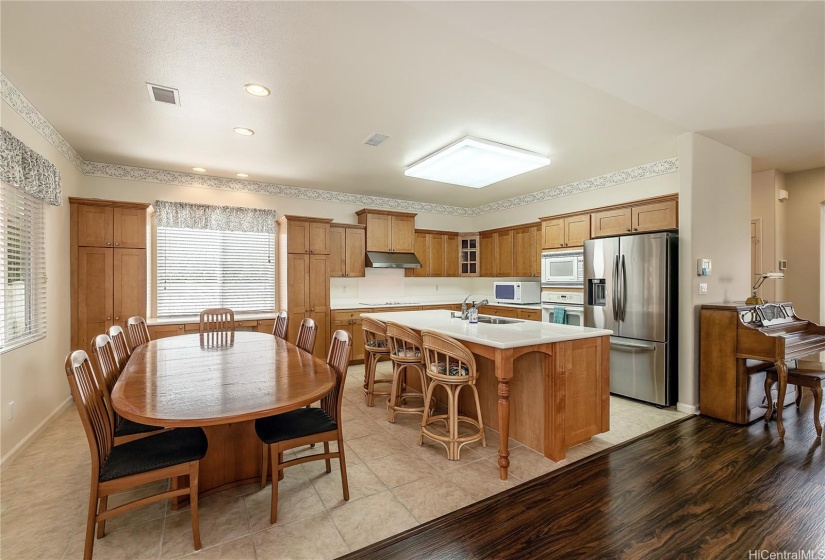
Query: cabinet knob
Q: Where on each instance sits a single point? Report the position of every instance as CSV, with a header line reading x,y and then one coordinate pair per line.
x,y
628,230
117,244
635,229
108,243
180,327
117,318
108,318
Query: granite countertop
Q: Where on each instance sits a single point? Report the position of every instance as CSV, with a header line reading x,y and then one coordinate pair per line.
x,y
511,335
364,303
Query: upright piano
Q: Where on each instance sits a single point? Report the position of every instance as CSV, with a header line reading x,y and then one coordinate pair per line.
x,y
737,344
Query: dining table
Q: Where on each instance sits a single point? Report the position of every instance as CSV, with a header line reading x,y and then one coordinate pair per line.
x,y
221,387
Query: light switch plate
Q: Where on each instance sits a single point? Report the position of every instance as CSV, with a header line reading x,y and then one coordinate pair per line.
x,y
703,289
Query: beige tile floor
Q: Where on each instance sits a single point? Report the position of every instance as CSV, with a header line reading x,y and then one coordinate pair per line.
x,y
395,484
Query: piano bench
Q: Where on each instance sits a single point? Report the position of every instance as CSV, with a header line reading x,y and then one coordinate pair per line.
x,y
805,374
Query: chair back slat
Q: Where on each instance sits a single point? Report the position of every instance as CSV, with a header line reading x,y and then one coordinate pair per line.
x,y
375,335
281,324
405,343
447,359
306,335
217,327
340,349
88,396
121,347
138,331
108,371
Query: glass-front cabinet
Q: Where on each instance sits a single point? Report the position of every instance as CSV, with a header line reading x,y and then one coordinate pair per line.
x,y
469,255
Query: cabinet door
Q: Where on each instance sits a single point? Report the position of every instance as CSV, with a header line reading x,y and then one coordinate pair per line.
x,y
343,325
356,247
297,237
655,217
95,227
337,251
297,286
422,251
318,282
552,233
357,333
321,337
504,253
536,252
94,294
576,230
130,228
293,326
436,260
451,255
610,222
164,331
487,254
402,234
523,248
266,326
378,232
319,238
510,312
129,289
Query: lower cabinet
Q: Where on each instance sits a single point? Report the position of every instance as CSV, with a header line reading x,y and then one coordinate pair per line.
x,y
163,331
349,320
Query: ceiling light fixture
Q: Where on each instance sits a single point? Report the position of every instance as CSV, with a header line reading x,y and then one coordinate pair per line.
x,y
257,90
474,162
242,175
199,169
243,131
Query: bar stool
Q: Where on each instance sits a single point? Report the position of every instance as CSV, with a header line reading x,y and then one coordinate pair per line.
x,y
405,353
451,365
376,348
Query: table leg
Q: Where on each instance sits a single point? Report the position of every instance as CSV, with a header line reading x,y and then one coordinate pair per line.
x,y
503,426
782,378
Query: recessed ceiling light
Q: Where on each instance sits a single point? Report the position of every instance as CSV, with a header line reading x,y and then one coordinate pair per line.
x,y
199,169
473,162
244,131
242,175
257,90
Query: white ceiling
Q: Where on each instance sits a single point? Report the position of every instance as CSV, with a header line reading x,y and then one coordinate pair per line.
x,y
596,86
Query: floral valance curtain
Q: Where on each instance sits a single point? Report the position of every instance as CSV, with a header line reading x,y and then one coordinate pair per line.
x,y
22,167
216,218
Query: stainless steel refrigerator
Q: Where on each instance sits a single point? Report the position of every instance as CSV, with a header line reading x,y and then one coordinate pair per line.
x,y
631,288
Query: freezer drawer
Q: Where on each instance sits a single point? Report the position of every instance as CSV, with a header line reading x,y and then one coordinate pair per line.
x,y
638,369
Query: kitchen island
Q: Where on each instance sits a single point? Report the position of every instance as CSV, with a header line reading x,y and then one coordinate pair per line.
x,y
545,385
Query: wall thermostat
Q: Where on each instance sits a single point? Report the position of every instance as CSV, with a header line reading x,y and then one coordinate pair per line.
x,y
703,267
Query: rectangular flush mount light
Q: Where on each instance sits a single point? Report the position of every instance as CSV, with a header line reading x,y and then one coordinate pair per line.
x,y
473,162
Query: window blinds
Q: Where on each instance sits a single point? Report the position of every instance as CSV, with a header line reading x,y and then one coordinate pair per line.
x,y
199,268
23,269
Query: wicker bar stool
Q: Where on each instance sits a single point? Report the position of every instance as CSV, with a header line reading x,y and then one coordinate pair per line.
x,y
406,354
376,348
451,365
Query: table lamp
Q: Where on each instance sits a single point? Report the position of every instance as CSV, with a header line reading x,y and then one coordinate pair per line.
x,y
755,299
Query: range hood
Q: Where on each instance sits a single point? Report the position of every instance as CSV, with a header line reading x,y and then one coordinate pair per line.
x,y
376,259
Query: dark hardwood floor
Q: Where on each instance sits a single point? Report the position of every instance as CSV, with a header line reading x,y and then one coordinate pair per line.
x,y
700,488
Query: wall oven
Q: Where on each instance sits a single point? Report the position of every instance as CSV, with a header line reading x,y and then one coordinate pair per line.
x,y
562,269
571,303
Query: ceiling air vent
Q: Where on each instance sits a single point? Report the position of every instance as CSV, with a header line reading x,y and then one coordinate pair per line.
x,y
163,94
375,139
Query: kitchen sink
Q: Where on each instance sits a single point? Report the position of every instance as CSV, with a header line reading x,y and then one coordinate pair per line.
x,y
496,320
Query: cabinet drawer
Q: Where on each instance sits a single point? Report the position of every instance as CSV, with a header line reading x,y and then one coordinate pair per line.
x,y
348,314
530,314
163,331
266,325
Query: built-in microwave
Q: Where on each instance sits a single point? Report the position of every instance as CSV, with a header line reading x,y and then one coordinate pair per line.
x,y
565,268
517,292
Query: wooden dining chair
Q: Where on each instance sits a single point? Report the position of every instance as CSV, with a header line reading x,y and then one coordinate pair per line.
x,y
217,326
138,331
304,426
109,371
116,468
121,347
306,335
281,324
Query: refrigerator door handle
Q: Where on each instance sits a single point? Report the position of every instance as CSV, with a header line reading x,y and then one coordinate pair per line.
x,y
633,346
615,288
624,289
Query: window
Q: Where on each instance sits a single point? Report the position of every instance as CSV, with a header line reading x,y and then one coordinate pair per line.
x,y
23,269
200,268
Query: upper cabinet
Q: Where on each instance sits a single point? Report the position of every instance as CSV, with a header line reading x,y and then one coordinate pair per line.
x,y
615,221
388,232
347,248
644,216
469,255
309,236
526,252
568,231
107,226
438,253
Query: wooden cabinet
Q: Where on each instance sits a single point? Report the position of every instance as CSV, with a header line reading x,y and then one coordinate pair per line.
x,y
164,331
388,231
525,251
614,221
306,235
469,255
537,254
303,285
438,253
350,320
265,326
504,253
451,255
487,254
529,314
108,266
347,249
655,217
568,231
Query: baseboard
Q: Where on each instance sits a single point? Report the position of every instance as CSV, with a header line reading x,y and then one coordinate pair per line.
x,y
18,449
687,408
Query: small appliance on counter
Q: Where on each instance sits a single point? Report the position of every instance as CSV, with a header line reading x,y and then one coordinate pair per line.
x,y
566,308
562,269
517,292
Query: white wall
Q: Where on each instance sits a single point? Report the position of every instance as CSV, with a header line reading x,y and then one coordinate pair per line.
x,y
33,376
765,205
714,223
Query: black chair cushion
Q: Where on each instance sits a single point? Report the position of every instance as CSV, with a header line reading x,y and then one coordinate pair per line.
x,y
166,449
294,424
129,428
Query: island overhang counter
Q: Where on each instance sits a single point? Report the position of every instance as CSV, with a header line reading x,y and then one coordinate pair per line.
x,y
545,385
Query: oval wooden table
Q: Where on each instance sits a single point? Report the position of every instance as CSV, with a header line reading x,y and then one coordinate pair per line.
x,y
178,382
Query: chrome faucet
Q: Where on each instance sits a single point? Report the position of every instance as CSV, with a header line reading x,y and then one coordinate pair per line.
x,y
465,313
